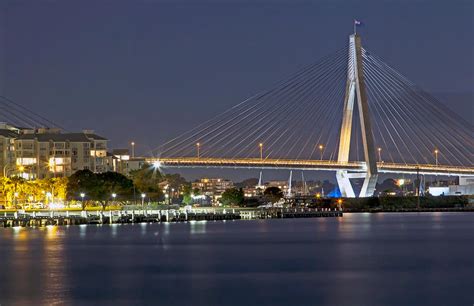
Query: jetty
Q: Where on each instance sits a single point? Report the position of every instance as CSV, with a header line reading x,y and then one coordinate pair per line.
x,y
38,218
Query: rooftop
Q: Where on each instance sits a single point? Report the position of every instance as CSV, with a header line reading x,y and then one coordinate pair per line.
x,y
57,137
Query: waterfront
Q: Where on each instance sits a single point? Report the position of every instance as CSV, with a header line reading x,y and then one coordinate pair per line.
x,y
384,258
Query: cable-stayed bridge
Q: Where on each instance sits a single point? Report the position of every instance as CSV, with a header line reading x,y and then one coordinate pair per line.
x,y
22,117
350,113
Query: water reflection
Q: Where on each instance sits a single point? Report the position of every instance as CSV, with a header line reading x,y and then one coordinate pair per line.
x,y
54,264
83,230
143,228
113,229
278,262
197,227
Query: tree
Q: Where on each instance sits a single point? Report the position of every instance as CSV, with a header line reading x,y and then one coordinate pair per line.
x,y
59,187
83,181
273,194
147,180
99,187
232,196
113,183
187,194
175,180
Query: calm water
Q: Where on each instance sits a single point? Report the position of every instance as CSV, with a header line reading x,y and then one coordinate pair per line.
x,y
360,259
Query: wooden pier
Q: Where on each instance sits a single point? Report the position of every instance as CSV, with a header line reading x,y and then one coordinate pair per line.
x,y
45,218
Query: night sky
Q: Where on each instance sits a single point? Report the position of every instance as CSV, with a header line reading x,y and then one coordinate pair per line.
x,y
149,70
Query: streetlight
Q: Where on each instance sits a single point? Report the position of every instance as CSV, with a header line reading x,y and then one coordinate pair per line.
x,y
143,199
380,153
436,151
167,198
133,149
321,147
114,195
261,150
82,194
21,169
198,147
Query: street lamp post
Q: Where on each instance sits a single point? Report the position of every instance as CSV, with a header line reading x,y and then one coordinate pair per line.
x,y
198,147
133,149
321,147
143,199
260,145
114,195
82,199
21,169
436,151
379,150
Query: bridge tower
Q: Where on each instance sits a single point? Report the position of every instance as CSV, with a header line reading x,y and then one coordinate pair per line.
x,y
355,89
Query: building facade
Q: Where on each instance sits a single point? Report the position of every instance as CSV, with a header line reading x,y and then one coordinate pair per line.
x,y
125,164
212,187
44,153
8,134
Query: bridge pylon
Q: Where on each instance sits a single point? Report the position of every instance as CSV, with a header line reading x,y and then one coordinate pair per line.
x,y
355,89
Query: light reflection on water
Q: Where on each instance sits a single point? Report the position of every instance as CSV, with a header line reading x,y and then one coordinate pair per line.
x,y
390,259
55,265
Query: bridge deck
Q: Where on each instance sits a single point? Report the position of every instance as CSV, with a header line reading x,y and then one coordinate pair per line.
x,y
252,163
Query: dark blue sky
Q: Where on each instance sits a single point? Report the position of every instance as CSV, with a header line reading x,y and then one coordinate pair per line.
x,y
149,70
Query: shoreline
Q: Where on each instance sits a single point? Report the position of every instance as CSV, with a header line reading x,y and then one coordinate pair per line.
x,y
67,218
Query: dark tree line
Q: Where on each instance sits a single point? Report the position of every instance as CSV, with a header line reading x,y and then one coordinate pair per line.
x,y
100,186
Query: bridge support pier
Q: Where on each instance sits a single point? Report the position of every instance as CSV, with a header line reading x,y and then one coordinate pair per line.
x,y
368,187
355,90
345,185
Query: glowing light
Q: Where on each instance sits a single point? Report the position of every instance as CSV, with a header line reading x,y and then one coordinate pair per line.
x,y
56,205
143,195
25,161
156,164
401,182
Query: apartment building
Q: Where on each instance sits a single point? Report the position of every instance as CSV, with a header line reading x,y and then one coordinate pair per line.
x,y
8,134
45,153
125,163
213,187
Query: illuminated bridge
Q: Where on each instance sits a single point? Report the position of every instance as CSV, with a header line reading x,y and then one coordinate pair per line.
x,y
350,113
